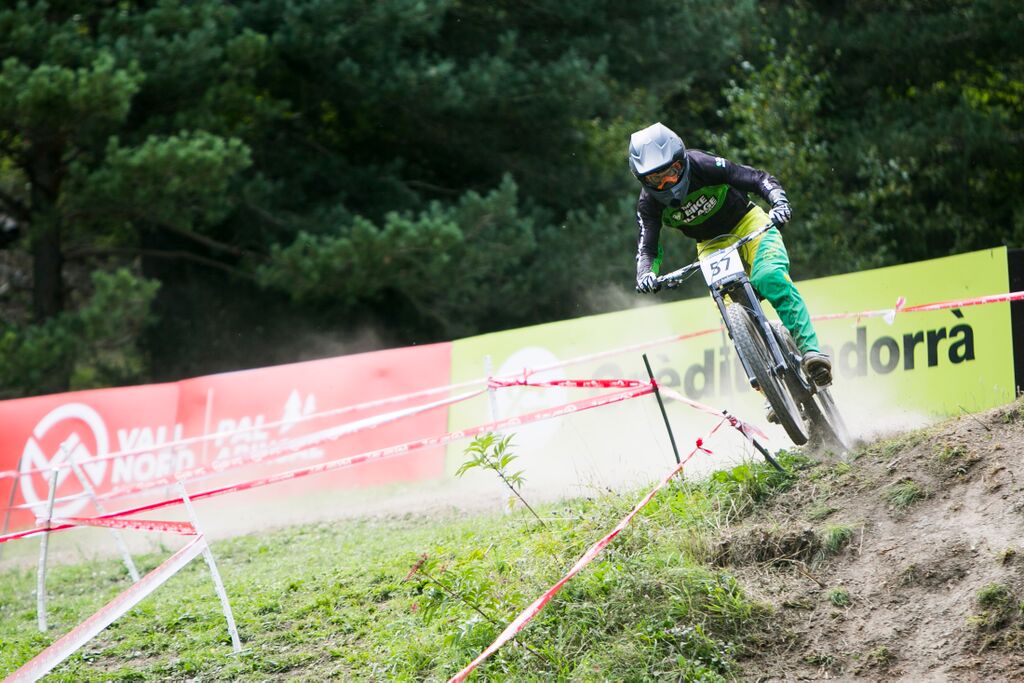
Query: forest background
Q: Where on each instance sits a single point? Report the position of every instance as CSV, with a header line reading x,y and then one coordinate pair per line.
x,y
195,187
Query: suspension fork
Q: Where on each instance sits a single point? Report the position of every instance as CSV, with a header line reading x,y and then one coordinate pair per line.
x,y
716,294
766,329
748,299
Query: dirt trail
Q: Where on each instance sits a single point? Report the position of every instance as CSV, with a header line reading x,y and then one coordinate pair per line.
x,y
906,563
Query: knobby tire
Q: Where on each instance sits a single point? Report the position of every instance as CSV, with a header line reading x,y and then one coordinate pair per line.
x,y
827,426
751,346
826,419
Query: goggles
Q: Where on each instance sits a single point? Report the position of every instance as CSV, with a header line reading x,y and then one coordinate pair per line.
x,y
666,177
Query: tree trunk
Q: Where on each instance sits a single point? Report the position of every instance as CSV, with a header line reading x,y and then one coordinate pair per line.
x,y
47,264
47,256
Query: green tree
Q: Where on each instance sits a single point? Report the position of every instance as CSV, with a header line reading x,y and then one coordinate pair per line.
x,y
437,168
496,131
118,121
88,344
923,119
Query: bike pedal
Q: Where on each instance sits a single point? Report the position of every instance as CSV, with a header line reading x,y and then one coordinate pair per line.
x,y
819,374
822,378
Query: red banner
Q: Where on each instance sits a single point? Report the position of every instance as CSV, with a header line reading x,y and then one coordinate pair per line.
x,y
132,435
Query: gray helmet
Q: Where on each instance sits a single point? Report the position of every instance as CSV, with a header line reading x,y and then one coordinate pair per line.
x,y
657,157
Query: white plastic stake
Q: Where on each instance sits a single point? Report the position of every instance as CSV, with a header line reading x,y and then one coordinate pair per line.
x,y
43,548
491,395
10,504
118,538
492,398
217,583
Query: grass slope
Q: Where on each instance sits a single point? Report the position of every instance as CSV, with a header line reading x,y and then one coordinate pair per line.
x,y
902,561
341,600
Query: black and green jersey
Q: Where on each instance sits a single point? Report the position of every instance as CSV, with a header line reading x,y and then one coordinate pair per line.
x,y
716,203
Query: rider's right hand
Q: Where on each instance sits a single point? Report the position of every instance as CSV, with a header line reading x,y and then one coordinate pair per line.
x,y
647,283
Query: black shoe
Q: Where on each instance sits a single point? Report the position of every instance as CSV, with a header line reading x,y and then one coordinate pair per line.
x,y
818,367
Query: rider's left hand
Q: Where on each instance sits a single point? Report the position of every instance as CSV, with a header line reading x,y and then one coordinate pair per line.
x,y
780,212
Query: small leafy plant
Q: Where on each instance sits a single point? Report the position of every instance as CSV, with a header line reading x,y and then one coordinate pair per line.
x,y
994,595
466,586
841,468
490,452
1000,606
881,656
839,597
820,511
905,493
835,537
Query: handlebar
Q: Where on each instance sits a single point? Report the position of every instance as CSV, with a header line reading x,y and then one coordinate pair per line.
x,y
675,278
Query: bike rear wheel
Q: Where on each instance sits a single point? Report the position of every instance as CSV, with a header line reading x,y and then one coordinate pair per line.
x,y
752,347
827,426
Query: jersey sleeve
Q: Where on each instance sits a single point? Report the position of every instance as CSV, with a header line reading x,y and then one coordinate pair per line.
x,y
648,221
743,178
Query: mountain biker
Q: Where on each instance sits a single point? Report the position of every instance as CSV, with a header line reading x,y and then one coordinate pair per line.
x,y
705,197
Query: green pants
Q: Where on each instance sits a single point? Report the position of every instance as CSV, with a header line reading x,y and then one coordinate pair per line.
x,y
767,264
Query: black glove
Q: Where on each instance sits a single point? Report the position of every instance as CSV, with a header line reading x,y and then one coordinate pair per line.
x,y
780,212
647,283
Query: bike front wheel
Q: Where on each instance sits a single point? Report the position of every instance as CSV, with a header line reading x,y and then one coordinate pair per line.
x,y
751,346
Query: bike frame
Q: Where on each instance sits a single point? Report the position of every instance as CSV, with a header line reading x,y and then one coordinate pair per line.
x,y
738,288
805,410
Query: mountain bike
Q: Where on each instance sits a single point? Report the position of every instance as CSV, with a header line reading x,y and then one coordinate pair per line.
x,y
770,357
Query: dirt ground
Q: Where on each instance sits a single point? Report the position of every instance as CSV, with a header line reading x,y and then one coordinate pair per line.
x,y
904,563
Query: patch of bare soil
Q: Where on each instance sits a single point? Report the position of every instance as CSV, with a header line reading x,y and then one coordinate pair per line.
x,y
905,562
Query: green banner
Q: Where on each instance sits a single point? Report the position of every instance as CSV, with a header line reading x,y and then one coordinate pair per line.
x,y
888,376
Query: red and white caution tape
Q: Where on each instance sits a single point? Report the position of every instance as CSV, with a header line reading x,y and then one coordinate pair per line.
x,y
309,441
525,381
889,314
537,605
224,464
964,303
334,432
390,451
745,428
280,450
372,404
180,528
287,448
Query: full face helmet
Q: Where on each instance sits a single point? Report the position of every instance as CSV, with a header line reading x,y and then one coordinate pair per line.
x,y
657,157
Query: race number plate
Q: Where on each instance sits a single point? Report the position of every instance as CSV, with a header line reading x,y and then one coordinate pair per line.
x,y
720,265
